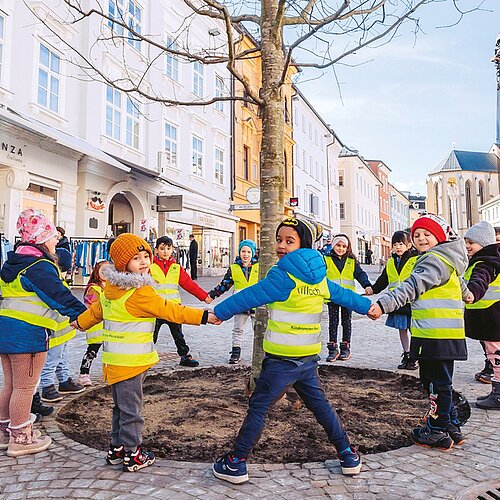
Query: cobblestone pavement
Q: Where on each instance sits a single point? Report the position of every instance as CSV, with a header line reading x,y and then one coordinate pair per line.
x,y
72,470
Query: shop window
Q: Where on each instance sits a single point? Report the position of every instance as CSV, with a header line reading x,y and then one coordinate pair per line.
x,y
219,92
172,61
127,12
48,79
219,166
198,79
197,156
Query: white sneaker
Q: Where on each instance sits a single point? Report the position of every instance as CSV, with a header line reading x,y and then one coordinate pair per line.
x,y
84,379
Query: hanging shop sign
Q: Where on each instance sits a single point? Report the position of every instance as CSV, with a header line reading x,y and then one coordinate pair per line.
x,y
96,204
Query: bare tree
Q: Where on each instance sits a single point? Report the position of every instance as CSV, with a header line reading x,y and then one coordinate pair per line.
x,y
304,33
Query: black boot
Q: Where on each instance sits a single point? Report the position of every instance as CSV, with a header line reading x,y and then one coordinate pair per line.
x,y
492,402
333,351
405,357
37,407
235,355
486,373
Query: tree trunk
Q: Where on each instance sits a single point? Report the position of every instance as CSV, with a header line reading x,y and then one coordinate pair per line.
x,y
272,161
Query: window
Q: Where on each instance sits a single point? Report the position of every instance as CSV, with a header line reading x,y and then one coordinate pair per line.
x,y
246,160
129,13
122,113
48,79
171,144
313,204
113,113
198,79
286,168
255,171
285,111
219,92
481,192
132,126
219,166
197,156
2,43
341,178
172,61
468,204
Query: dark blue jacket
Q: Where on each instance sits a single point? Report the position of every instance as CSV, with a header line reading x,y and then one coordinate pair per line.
x,y
305,264
17,336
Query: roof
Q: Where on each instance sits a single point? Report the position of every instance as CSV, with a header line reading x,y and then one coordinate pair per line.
x,y
468,160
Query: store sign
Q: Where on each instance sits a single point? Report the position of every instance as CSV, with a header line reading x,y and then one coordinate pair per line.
x,y
96,204
171,203
11,152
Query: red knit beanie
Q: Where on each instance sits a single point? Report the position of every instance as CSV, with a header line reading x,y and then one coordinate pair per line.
x,y
434,224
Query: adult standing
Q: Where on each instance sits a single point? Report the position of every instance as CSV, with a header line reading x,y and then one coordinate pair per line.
x,y
369,255
63,241
193,257
327,247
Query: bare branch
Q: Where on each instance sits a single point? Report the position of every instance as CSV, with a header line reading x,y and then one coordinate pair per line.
x,y
217,14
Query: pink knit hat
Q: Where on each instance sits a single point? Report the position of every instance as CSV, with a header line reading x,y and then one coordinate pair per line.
x,y
34,227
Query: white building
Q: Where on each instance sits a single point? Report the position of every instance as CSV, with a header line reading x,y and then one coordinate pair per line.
x,y
94,158
400,210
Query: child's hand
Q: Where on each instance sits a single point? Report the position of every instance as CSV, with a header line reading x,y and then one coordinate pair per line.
x,y
213,319
208,300
76,326
369,290
470,298
375,311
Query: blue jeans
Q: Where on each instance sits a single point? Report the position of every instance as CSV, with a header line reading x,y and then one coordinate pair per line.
x,y
57,363
276,377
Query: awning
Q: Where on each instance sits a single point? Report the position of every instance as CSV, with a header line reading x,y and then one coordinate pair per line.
x,y
71,142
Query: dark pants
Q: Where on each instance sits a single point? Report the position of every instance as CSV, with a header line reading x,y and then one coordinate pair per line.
x,y
177,335
88,358
276,377
127,422
333,322
436,377
193,266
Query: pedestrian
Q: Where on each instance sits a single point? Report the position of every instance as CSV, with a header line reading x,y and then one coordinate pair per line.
x,y
168,276
497,233
93,292
436,295
63,241
193,257
368,256
294,290
327,247
482,313
129,307
398,268
343,269
242,274
30,281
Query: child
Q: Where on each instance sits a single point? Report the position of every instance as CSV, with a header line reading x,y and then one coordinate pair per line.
x,y
294,290
342,268
169,275
436,294
32,290
129,307
242,274
93,293
497,233
397,269
482,313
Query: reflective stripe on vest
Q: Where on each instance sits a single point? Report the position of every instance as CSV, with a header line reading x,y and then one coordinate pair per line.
x,y
64,331
127,340
94,334
239,279
491,296
396,279
26,306
438,313
293,328
167,284
345,278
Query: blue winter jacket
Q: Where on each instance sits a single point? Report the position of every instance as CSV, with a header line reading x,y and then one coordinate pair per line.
x,y
17,336
305,264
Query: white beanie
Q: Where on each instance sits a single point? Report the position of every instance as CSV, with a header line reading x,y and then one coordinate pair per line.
x,y
482,233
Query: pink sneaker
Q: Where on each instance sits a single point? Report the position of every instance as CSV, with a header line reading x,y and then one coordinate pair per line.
x,y
84,379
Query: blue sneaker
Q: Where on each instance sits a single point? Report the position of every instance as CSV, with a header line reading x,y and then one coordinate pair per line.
x,y
350,461
231,469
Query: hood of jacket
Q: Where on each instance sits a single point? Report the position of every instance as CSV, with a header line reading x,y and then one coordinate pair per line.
x,y
253,261
490,254
306,264
453,251
15,263
125,280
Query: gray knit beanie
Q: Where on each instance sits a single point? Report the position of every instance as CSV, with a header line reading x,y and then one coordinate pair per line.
x,y
482,233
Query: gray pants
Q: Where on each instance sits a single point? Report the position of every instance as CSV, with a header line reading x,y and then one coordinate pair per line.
x,y
127,412
239,323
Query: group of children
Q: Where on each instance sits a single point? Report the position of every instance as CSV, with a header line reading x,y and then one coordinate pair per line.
x,y
142,293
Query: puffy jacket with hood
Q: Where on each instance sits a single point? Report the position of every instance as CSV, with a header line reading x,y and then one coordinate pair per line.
x,y
17,336
430,272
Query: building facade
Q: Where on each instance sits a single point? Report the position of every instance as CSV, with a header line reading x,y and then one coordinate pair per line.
x,y
400,210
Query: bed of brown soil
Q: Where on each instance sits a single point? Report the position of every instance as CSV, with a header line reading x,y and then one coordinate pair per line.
x,y
195,415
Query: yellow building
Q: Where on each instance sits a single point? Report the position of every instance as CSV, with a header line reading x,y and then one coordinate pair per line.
x,y
247,135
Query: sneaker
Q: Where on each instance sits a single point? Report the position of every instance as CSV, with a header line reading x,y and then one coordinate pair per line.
x,y
405,357
345,351
116,454
231,469
84,379
333,352
456,434
50,394
235,355
188,360
486,374
38,408
70,387
350,461
412,364
432,438
136,460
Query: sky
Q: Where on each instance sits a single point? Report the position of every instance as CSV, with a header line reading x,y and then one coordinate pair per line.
x,y
410,102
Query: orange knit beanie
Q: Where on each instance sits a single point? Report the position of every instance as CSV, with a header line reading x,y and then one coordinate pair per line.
x,y
126,246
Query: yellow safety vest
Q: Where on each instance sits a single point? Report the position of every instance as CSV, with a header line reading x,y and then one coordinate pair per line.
x,y
239,279
438,313
345,278
294,328
491,296
63,331
127,340
396,279
167,284
94,334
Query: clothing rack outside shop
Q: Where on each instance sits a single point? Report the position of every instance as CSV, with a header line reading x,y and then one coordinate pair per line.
x,y
86,252
5,246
